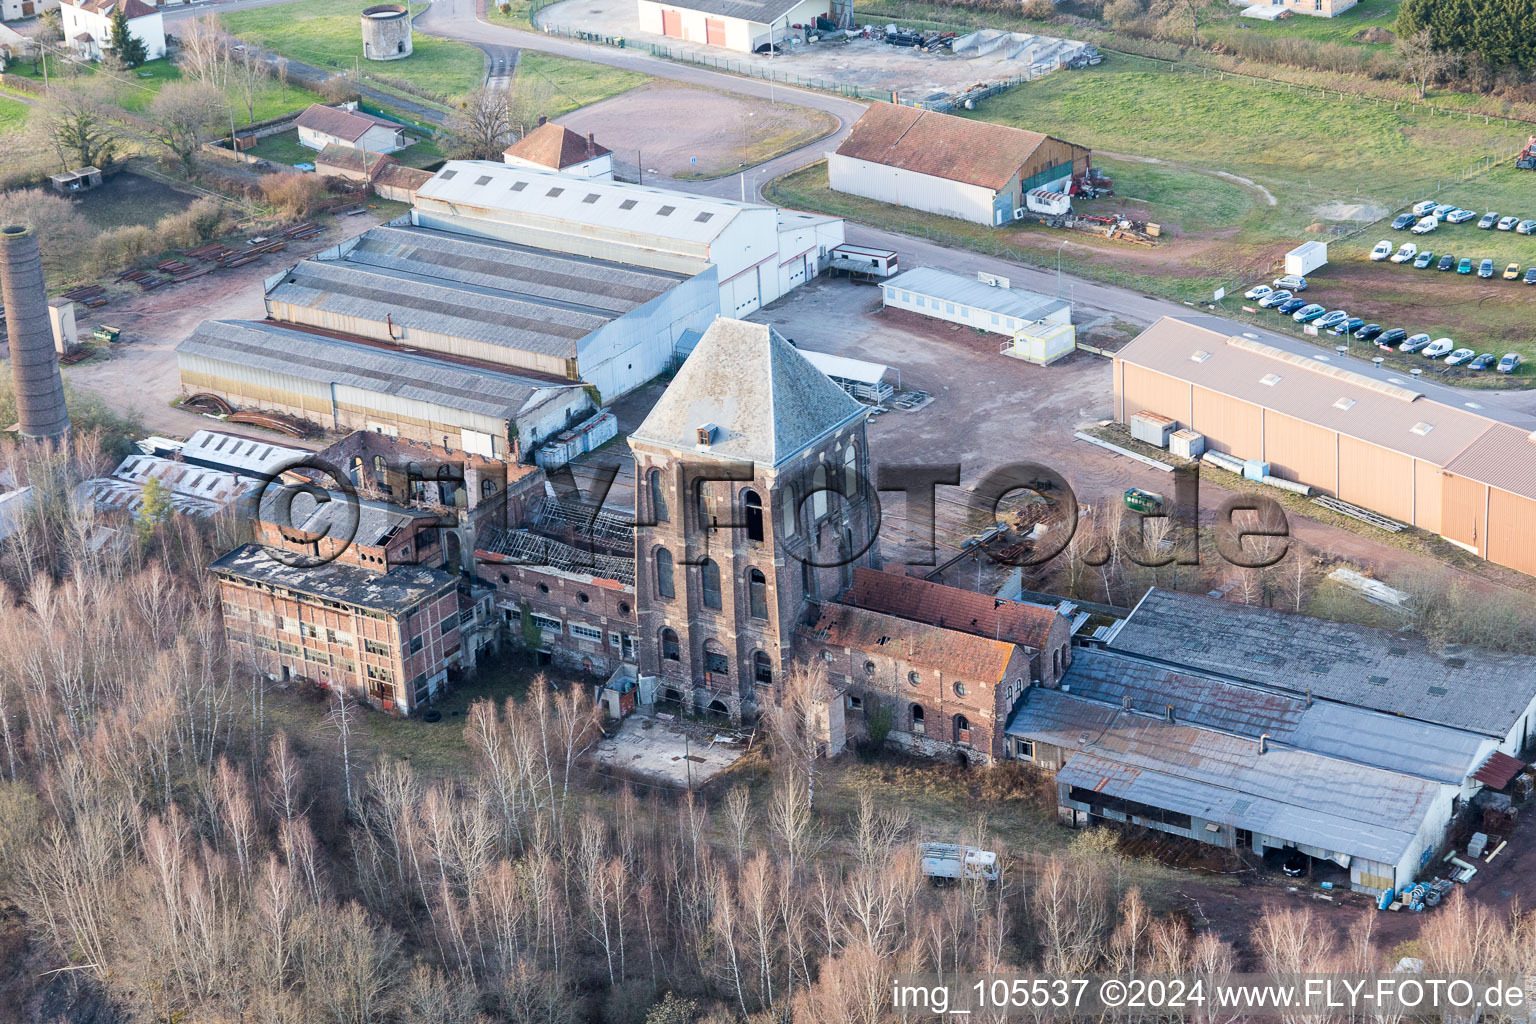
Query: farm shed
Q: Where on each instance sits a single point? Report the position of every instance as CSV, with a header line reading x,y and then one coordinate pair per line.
x,y
939,163
758,252
354,385
1367,437
517,307
862,379
740,25
1038,327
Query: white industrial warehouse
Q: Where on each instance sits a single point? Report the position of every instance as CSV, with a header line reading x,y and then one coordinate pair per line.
x,y
740,25
1036,328
518,308
758,252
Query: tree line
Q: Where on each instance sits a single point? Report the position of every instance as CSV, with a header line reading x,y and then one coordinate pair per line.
x,y
1497,31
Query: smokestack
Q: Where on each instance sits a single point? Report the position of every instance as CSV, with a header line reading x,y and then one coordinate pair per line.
x,y
34,363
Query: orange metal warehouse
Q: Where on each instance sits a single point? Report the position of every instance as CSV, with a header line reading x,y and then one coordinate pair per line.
x,y
1378,443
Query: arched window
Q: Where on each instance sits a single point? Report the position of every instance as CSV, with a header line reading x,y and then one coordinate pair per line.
x,y
790,512
658,499
918,725
356,472
717,664
762,668
851,471
670,651
753,506
757,593
379,468
962,729
487,487
1056,662
819,487
709,581
664,585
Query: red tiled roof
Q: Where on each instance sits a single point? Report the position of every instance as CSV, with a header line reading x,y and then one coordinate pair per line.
x,y
340,124
908,597
554,145
942,145
348,159
1499,770
954,653
133,8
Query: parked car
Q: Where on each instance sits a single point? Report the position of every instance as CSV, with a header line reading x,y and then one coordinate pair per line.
x,y
1258,291
1308,313
1331,319
1447,262
1465,266
1389,339
1460,356
1413,344
1525,227
1349,326
1444,211
1405,253
1482,362
1488,220
1512,272
1460,216
1510,362
1290,306
1424,259
1367,332
1530,275
1423,207
1485,268
1508,223
1403,221
1292,282
1382,251
1295,865
1438,348
1274,299
1425,226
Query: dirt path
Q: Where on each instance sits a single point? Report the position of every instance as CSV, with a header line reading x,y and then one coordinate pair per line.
x,y
1248,183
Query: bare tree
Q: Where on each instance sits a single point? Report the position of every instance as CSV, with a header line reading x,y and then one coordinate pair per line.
x,y
481,127
1422,60
204,51
181,117
247,77
78,123
1184,12
343,711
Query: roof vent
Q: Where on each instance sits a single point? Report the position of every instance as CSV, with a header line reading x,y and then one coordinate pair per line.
x,y
484,179
447,174
1421,428
706,435
1269,380
628,204
1344,403
554,192
1200,355
701,218
518,186
665,211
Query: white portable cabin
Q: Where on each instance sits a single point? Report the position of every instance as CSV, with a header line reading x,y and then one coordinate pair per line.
x,y
863,259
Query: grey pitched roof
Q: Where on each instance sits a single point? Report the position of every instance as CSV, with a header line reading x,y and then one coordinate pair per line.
x,y
285,351
1015,302
395,591
376,521
1467,688
759,12
764,398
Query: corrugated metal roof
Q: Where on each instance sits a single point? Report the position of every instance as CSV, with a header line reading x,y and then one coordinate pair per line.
x,y
1014,302
765,401
979,153
239,454
562,201
1306,387
759,12
1499,770
1503,457
1468,688
394,591
282,350
849,369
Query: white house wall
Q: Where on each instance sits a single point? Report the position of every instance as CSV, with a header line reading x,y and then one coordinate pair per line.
x,y
150,29
620,356
803,249
910,189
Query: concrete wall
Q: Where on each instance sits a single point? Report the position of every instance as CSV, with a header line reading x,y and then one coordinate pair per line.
x,y
911,189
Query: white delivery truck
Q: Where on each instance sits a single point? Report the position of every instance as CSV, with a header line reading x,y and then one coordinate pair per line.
x,y
948,863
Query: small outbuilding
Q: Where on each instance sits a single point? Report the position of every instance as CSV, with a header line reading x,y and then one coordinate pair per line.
x,y
1306,257
740,25
321,126
954,166
1036,328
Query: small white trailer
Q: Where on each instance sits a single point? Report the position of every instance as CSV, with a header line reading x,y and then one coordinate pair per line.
x,y
948,863
863,261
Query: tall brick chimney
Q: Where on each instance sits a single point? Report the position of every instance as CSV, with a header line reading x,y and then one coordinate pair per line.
x,y
34,361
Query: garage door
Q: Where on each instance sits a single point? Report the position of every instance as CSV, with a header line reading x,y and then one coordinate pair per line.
x,y
672,23
714,31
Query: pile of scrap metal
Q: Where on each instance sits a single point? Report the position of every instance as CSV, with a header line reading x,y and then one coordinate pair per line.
x,y
1092,184
1088,57
1111,226
925,41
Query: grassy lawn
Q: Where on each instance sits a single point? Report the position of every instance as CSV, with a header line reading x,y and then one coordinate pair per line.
x,y
139,87
1344,28
576,83
13,114
325,33
283,148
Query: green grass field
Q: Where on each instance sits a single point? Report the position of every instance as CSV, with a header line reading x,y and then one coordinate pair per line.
x,y
576,83
13,115
325,33
138,87
1340,29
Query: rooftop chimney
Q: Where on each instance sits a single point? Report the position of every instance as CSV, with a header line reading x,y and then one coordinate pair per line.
x,y
34,362
542,119
1264,743
591,145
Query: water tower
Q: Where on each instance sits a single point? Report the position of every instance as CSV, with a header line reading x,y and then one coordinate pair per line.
x,y
386,32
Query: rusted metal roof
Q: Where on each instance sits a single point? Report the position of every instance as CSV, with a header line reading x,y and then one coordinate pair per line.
x,y
942,145
1499,770
951,608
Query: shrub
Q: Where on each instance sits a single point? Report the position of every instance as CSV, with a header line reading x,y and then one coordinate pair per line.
x,y
122,246
1039,10
292,194
339,90
195,225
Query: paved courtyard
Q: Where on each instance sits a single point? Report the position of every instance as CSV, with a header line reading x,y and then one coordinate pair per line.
x,y
668,751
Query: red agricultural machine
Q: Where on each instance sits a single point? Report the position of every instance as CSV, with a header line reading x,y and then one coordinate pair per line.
x,y
1526,161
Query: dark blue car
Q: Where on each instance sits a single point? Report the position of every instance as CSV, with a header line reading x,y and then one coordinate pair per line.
x,y
1290,306
1404,221
1368,332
